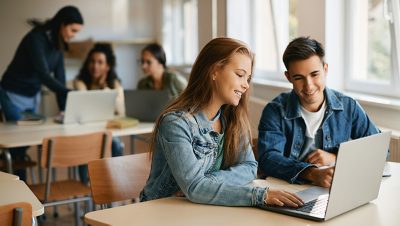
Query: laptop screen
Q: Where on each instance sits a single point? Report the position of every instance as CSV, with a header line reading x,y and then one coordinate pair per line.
x,y
145,105
90,106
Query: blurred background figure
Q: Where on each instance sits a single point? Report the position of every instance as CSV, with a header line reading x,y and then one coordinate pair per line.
x,y
154,66
38,61
98,73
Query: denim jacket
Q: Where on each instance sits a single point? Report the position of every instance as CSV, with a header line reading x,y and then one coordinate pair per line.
x,y
282,132
184,154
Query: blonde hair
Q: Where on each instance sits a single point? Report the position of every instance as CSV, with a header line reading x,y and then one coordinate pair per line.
x,y
198,93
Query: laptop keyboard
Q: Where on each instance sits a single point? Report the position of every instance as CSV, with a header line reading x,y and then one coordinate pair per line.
x,y
316,206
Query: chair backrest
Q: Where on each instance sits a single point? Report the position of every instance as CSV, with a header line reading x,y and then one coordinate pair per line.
x,y
16,214
67,151
2,116
254,144
118,178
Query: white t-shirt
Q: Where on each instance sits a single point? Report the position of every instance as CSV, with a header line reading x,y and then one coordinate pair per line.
x,y
313,122
313,119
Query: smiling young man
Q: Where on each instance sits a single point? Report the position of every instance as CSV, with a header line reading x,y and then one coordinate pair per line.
x,y
300,131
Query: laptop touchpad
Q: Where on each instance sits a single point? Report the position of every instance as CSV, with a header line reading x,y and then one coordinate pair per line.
x,y
312,193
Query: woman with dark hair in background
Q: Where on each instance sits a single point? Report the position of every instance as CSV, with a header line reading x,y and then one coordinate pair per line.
x,y
98,73
38,61
154,66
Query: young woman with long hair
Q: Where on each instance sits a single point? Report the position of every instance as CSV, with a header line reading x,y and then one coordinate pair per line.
x,y
201,142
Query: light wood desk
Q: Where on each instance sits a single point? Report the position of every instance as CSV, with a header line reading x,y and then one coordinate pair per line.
x,y
7,176
12,191
12,135
179,211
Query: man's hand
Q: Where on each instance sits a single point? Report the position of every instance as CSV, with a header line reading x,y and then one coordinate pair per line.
x,y
319,176
321,158
283,198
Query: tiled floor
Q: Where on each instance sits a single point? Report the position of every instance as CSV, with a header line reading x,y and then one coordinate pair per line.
x,y
66,217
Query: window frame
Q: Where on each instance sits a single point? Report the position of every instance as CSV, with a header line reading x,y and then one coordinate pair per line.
x,y
175,39
350,83
280,35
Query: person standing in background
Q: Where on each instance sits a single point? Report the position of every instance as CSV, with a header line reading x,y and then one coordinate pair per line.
x,y
98,73
38,61
154,66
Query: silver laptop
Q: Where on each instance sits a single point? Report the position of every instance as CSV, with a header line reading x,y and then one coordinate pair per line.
x,y
145,105
89,106
356,180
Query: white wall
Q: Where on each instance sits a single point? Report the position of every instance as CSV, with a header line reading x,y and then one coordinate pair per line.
x,y
104,20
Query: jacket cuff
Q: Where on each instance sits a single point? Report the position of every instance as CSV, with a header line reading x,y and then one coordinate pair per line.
x,y
259,195
296,178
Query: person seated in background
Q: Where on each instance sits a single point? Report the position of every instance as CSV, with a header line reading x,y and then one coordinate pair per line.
x,y
154,66
301,130
201,142
98,73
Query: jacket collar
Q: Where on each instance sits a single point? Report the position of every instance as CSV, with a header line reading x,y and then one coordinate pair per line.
x,y
293,110
204,123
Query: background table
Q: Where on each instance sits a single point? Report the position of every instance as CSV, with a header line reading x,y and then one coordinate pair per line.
x,y
12,135
12,191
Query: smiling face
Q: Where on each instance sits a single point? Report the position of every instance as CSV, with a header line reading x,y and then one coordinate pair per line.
x,y
98,66
308,78
232,80
69,31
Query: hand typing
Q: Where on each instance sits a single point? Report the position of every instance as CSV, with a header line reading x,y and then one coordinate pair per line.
x,y
282,198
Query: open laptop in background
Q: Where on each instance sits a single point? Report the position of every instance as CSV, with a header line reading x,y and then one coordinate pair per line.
x,y
145,105
356,180
89,106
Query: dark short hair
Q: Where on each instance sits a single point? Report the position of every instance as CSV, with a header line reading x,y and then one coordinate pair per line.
x,y
158,52
302,48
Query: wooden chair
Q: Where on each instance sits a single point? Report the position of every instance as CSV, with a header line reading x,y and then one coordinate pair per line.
x,y
26,163
69,151
119,178
16,214
254,144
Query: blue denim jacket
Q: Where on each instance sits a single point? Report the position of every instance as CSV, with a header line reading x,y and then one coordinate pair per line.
x,y
182,160
282,132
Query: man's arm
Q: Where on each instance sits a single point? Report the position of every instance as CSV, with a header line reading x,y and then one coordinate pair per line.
x,y
320,157
271,148
321,176
362,126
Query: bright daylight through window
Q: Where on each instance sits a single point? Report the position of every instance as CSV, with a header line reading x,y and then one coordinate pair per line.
x,y
373,47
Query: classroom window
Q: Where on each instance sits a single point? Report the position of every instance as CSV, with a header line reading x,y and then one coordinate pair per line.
x,y
267,26
373,39
179,31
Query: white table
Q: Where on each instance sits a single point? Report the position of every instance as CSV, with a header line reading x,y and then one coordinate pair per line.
x,y
12,191
8,176
179,211
12,135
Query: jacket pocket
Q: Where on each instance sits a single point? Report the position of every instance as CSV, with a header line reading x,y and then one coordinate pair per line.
x,y
203,148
